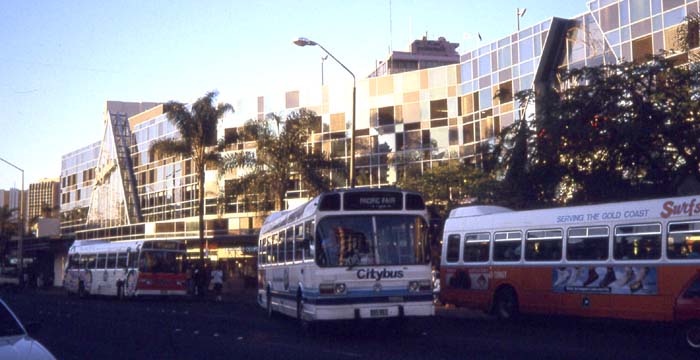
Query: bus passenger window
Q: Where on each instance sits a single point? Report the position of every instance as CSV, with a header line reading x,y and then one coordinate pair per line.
x,y
111,260
588,243
309,245
101,261
89,261
452,248
543,245
637,242
682,241
476,247
507,246
121,260
299,242
289,245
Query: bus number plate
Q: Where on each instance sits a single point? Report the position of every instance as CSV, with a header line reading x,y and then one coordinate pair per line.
x,y
378,312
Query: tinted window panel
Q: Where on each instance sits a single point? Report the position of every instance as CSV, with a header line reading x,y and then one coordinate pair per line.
x,y
452,248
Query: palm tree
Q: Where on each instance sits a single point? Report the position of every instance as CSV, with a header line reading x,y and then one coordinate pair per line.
x,y
282,151
198,141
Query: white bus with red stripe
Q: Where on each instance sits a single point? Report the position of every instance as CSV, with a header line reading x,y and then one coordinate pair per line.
x,y
349,254
126,268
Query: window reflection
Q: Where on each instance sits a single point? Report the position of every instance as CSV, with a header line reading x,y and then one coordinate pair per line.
x,y
639,9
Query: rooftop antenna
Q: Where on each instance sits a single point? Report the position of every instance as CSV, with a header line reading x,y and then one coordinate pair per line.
x,y
391,42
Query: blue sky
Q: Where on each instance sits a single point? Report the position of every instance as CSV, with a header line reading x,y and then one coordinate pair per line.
x,y
62,60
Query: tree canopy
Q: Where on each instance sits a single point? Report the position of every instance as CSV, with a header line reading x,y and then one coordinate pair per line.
x,y
197,126
282,155
614,132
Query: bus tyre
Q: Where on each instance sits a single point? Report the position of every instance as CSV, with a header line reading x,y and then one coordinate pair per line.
x,y
692,335
268,298
505,304
120,291
304,325
81,290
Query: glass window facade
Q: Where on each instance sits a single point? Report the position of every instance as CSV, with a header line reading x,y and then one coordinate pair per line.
x,y
405,122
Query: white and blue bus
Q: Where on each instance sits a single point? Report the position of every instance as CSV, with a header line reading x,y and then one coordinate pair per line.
x,y
347,254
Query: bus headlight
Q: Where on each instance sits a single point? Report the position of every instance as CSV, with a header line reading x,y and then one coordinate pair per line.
x,y
331,289
422,285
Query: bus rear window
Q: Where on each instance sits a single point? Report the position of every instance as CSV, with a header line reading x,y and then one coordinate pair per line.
x,y
452,255
637,242
683,240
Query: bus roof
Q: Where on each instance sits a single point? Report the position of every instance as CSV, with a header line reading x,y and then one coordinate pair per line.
x,y
84,246
283,216
494,217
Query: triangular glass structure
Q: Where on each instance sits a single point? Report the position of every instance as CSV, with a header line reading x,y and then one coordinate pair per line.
x,y
113,198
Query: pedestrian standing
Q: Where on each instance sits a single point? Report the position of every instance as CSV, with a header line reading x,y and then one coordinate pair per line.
x,y
199,281
217,278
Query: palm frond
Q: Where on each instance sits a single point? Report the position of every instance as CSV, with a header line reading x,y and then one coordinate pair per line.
x,y
170,147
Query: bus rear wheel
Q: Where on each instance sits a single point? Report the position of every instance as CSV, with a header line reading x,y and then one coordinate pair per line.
x,y
269,303
120,291
692,335
505,304
81,290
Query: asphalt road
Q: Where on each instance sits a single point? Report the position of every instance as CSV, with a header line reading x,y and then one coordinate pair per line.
x,y
102,328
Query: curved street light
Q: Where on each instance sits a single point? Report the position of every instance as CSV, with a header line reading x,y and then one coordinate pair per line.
x,y
302,41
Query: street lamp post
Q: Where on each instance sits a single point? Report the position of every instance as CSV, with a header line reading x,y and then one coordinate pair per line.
x,y
20,256
304,42
519,13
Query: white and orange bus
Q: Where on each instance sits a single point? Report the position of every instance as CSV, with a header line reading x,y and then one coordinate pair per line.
x,y
126,268
629,260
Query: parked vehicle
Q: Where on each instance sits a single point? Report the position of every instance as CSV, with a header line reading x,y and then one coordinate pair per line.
x,y
15,342
636,260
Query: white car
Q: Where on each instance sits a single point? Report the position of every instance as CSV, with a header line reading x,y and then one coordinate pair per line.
x,y
15,343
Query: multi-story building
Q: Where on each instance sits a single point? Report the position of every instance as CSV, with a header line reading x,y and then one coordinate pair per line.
x,y
77,178
11,199
406,123
43,198
423,54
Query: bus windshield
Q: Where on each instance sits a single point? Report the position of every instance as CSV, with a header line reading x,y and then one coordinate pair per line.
x,y
154,261
372,240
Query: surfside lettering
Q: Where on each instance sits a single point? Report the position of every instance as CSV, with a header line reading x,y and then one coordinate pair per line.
x,y
379,274
674,209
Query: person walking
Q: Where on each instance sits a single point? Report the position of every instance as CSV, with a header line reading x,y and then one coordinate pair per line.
x,y
217,278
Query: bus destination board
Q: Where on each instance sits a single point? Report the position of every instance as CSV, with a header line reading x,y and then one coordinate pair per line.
x,y
373,200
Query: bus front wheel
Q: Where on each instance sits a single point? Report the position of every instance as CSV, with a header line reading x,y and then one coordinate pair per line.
x,y
692,335
505,304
